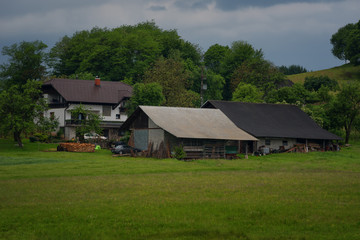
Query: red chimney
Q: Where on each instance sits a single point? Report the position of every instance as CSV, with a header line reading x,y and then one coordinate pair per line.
x,y
97,81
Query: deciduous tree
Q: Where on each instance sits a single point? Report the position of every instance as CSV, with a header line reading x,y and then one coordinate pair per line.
x,y
247,93
345,108
26,60
20,105
86,120
145,94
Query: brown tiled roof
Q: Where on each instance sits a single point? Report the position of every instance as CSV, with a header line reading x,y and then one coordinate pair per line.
x,y
85,91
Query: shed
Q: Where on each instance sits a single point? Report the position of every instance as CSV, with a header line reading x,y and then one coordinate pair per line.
x,y
203,133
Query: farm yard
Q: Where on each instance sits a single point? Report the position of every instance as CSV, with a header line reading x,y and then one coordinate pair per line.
x,y
46,194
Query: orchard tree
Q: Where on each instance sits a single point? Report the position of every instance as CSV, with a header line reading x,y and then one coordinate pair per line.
x,y
344,110
20,105
26,61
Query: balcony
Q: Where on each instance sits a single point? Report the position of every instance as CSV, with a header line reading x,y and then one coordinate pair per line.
x,y
57,105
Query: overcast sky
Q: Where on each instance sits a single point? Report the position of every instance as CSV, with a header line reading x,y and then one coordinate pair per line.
x,y
288,31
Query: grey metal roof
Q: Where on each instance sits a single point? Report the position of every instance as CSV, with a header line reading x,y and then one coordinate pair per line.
x,y
85,90
195,123
272,120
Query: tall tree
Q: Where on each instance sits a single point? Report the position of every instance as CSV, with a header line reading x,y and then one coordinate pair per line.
x,y
346,43
121,53
145,94
214,57
173,78
26,61
259,73
240,52
20,105
345,108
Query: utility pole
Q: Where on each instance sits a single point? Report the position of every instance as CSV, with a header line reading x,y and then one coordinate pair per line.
x,y
203,85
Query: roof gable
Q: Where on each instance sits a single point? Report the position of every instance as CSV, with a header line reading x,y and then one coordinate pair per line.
x,y
85,91
272,120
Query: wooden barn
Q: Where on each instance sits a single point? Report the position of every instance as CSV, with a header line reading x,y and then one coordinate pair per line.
x,y
279,127
203,133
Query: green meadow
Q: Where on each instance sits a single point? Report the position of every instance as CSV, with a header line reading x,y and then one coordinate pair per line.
x,y
342,74
59,195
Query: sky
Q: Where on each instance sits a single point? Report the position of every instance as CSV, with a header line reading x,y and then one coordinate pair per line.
x,y
288,31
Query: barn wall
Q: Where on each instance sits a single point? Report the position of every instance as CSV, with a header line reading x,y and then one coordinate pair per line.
x,y
141,137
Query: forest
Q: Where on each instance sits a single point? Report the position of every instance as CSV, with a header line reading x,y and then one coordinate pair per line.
x,y
166,70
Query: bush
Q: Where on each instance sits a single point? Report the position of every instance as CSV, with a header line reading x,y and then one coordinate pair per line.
x,y
179,153
33,139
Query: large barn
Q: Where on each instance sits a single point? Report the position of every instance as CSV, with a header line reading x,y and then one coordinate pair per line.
x,y
203,133
277,126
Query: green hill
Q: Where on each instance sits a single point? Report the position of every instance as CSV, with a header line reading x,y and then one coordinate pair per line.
x,y
344,73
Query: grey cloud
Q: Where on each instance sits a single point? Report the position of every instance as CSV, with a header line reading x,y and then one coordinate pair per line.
x,y
23,7
157,8
193,4
229,5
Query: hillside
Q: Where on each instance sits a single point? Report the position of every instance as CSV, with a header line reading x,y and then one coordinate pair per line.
x,y
346,72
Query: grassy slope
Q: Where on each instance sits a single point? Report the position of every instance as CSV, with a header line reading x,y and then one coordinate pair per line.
x,y
342,74
58,195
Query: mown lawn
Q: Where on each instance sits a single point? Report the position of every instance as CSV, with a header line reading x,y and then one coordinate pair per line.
x,y
60,195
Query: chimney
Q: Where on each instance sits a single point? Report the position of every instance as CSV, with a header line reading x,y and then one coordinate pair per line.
x,y
97,81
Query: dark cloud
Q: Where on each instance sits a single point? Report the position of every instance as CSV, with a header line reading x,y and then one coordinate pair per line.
x,y
229,5
23,7
157,8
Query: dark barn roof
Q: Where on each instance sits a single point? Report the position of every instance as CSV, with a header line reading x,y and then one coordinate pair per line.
x,y
272,120
85,91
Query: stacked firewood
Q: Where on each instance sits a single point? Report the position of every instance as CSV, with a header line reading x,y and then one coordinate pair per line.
x,y
76,147
305,148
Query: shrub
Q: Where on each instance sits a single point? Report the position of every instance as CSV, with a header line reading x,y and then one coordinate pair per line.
x,y
179,153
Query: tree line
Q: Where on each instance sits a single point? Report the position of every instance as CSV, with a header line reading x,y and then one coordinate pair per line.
x,y
165,69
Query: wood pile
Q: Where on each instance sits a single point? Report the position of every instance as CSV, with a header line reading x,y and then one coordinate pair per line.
x,y
311,147
76,147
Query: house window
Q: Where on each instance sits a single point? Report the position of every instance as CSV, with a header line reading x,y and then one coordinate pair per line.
x,y
285,143
267,142
117,116
106,111
52,115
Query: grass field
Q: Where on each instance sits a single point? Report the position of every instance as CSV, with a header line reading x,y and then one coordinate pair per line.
x,y
61,195
342,74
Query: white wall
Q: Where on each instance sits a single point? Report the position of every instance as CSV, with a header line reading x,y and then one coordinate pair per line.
x,y
275,143
59,113
99,110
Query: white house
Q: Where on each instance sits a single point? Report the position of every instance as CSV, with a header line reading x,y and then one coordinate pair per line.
x,y
102,97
